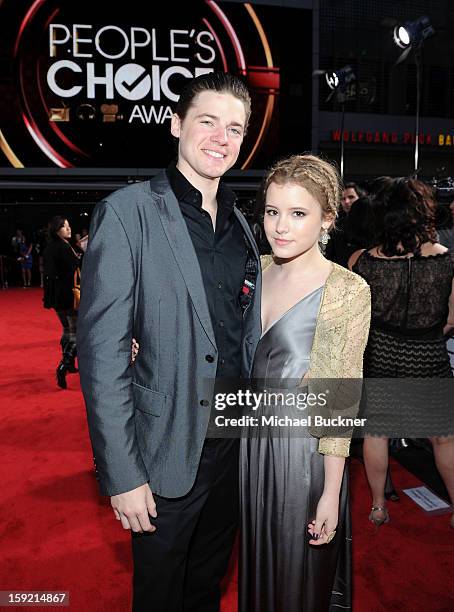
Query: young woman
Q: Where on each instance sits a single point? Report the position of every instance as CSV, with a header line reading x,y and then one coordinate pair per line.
x,y
411,277
60,263
296,535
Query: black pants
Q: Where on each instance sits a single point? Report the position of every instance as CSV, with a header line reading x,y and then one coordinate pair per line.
x,y
178,568
68,319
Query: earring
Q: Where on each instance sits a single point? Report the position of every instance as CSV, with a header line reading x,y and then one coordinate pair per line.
x,y
324,238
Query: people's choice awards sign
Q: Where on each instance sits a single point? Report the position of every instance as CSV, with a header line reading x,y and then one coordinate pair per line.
x,y
91,84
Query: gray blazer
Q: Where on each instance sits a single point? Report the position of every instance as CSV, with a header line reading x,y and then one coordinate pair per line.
x,y
141,278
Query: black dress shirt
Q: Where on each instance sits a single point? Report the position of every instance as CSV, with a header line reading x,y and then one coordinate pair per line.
x,y
222,256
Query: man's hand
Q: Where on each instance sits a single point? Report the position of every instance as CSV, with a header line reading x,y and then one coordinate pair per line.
x,y
133,507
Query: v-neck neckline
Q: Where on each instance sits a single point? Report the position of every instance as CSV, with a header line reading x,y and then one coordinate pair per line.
x,y
290,310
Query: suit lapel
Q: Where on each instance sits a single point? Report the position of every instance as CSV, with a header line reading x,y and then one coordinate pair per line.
x,y
183,250
252,326
248,233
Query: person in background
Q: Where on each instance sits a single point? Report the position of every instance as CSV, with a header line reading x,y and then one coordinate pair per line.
x,y
411,277
40,246
359,225
12,272
379,184
446,234
60,264
359,231
26,260
351,192
338,249
16,240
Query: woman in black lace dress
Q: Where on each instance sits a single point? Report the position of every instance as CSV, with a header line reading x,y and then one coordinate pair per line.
x,y
411,281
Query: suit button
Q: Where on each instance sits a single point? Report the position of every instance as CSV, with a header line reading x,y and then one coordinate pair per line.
x,y
204,403
209,358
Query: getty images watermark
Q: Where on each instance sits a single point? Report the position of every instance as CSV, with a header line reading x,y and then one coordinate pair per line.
x,y
395,408
263,400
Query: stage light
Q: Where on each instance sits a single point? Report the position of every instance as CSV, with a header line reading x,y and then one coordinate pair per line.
x,y
340,78
338,81
332,80
401,37
410,37
413,33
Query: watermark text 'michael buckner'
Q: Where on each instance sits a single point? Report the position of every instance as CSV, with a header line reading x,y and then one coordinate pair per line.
x,y
286,421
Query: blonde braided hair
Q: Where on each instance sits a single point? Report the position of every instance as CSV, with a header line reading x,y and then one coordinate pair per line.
x,y
318,176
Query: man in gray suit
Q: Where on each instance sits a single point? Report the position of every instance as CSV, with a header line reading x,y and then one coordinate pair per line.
x,y
172,263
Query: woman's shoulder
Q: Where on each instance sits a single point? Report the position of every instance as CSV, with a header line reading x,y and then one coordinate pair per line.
x,y
355,257
429,249
342,276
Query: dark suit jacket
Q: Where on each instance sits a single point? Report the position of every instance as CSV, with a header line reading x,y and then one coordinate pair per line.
x,y
141,279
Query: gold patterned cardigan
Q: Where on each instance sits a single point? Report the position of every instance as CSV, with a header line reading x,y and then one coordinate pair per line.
x,y
340,337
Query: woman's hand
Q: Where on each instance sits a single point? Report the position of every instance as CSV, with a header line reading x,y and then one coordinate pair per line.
x,y
134,349
325,523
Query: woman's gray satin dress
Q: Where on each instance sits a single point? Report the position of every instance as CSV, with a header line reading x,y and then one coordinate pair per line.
x,y
282,480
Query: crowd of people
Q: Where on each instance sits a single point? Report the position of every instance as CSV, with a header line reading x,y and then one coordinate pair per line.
x,y
175,293
23,257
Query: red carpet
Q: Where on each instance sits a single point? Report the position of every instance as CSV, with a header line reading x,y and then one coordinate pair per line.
x,y
58,534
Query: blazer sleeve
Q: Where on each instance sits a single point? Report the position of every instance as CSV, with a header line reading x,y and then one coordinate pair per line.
x,y
351,363
104,335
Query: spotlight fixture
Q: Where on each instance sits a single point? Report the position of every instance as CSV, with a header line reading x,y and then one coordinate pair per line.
x,y
411,36
340,78
338,81
332,80
401,37
413,33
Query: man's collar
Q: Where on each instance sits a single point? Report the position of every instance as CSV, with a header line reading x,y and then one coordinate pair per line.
x,y
185,192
